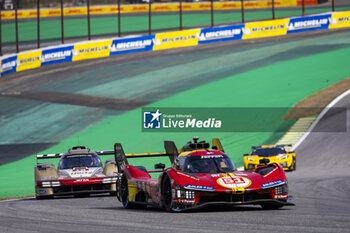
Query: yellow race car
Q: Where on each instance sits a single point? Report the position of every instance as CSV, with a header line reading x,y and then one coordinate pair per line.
x,y
267,154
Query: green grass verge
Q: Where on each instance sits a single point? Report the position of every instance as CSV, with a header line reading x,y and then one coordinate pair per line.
x,y
278,85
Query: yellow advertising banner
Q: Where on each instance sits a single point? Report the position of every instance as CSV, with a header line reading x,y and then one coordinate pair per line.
x,y
340,20
176,39
265,29
139,8
91,50
28,61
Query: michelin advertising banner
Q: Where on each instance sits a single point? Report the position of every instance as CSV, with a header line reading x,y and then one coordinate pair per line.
x,y
169,40
26,61
8,65
308,23
217,34
130,45
265,29
56,55
340,20
91,50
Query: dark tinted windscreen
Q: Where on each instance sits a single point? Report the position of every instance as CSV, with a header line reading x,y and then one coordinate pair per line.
x,y
75,161
268,151
209,164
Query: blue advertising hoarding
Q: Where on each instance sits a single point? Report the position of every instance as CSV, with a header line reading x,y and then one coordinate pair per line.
x,y
308,23
130,45
8,65
226,33
56,55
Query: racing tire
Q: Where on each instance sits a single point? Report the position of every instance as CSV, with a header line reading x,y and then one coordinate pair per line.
x,y
118,192
294,164
124,193
167,198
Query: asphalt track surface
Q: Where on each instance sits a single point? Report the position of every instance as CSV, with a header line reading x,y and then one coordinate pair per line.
x,y
320,186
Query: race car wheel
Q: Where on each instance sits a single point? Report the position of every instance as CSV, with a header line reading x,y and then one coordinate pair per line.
x,y
294,164
118,192
124,193
166,194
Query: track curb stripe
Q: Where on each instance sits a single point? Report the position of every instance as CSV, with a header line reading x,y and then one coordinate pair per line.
x,y
324,111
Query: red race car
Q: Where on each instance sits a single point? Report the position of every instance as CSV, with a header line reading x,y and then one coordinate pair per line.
x,y
198,177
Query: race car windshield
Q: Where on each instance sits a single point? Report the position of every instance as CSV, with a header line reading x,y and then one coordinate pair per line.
x,y
269,151
209,164
84,160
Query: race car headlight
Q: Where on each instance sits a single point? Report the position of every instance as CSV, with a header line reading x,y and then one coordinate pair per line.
x,y
184,194
250,159
284,157
283,189
284,164
48,184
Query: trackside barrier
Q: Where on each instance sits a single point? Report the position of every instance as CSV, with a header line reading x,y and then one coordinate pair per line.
x,y
97,10
168,40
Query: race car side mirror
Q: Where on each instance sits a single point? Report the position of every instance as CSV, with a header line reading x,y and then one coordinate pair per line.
x,y
159,166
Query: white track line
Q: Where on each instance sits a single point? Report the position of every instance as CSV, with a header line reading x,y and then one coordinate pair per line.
x,y
324,111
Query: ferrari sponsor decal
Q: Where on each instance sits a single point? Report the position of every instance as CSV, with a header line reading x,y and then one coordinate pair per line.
x,y
129,45
209,35
308,23
234,182
340,20
265,29
199,187
176,39
272,183
56,55
186,201
91,50
29,60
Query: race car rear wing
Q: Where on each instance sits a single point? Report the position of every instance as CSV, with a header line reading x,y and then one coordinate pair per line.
x,y
59,155
122,159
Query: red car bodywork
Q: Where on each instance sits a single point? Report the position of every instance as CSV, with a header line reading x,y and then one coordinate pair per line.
x,y
178,190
